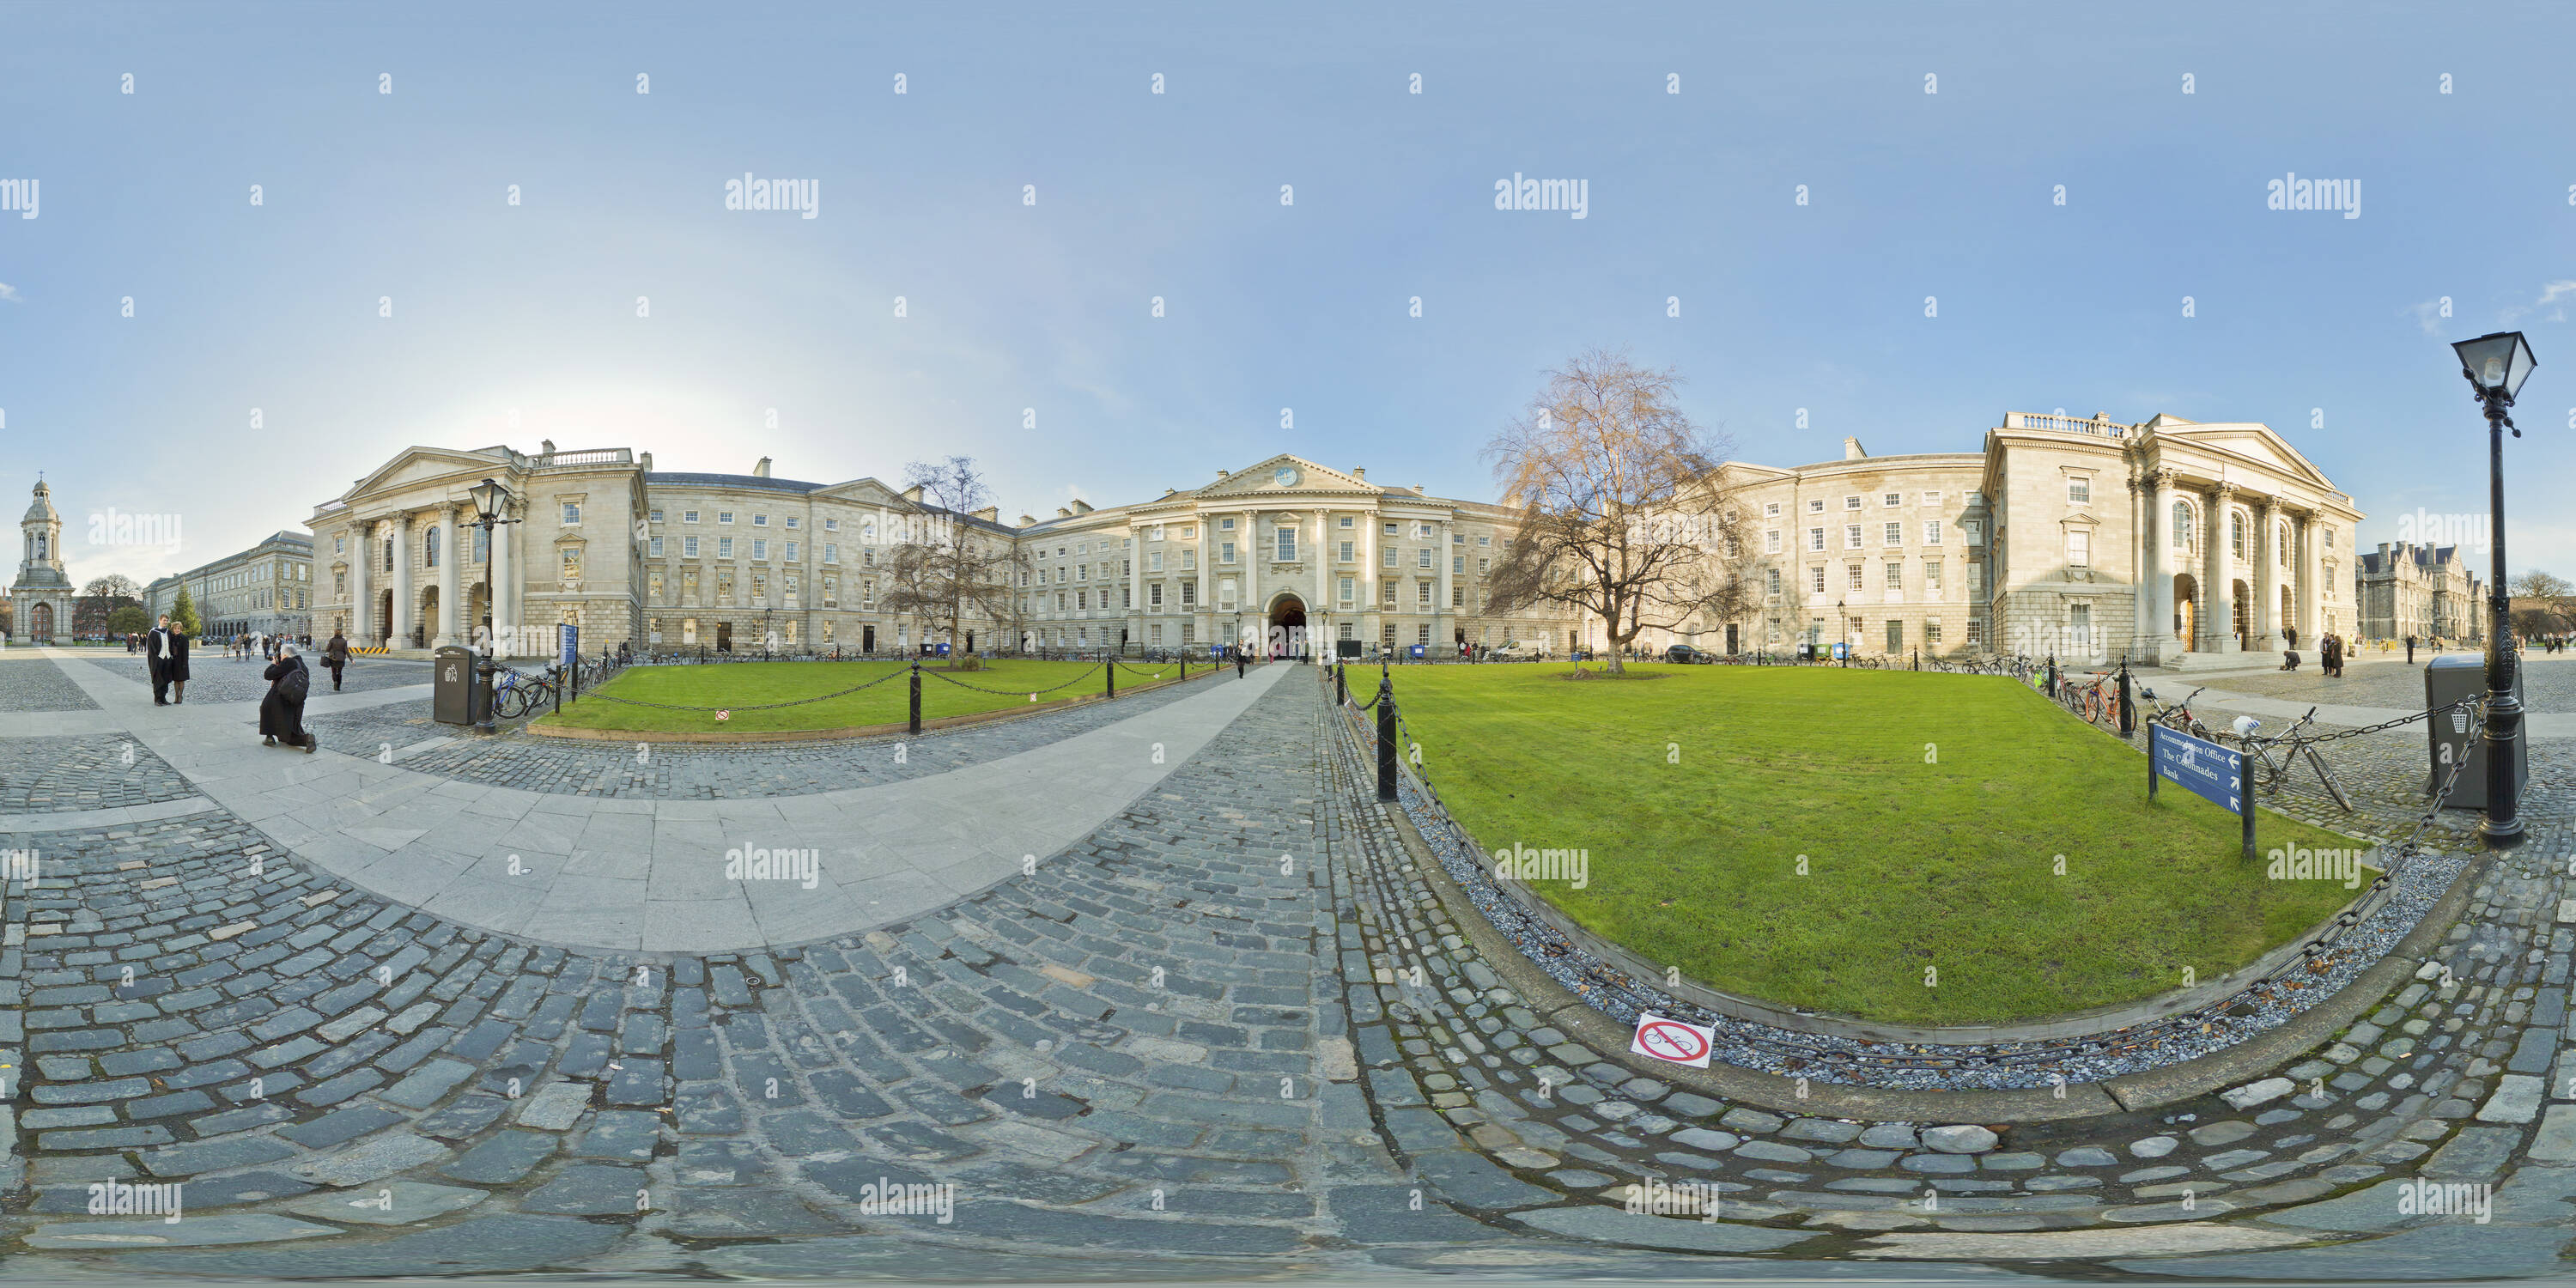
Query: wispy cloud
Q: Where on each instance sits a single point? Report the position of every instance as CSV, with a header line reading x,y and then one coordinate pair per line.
x,y
2431,314
10,293
2551,306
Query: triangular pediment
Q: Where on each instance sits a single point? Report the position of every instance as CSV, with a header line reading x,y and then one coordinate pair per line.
x,y
1265,480
2251,443
867,491
415,465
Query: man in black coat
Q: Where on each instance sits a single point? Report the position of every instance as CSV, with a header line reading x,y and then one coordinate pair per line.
x,y
167,654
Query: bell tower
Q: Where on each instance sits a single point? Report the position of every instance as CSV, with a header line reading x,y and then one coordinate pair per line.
x,y
42,594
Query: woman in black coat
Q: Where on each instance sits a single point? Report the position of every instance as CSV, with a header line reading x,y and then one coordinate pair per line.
x,y
281,713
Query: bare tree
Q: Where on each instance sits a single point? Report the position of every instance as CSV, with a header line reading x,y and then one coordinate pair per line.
x,y
2543,604
100,598
1620,501
946,573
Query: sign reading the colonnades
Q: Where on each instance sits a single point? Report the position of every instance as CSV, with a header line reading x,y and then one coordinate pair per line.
x,y
2203,768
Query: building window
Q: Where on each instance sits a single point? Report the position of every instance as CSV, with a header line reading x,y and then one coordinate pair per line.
x,y
1189,558
1851,536
724,547
2079,627
1932,574
2236,535
688,547
1189,594
655,592
1931,633
1457,597
760,547
1852,581
1895,635
1425,560
429,549
831,552
653,516
1771,542
1388,597
1225,552
1893,534
1891,500
572,563
1895,574
1154,595
2079,549
1287,541
689,516
1851,503
1817,581
1347,551
1815,538
654,548
1347,589
2079,491
571,513
791,552
1931,532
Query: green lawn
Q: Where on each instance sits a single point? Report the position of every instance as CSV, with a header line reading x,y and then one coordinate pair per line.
x,y
745,684
1947,865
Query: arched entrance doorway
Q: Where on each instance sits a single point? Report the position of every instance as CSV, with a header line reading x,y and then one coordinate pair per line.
x,y
426,624
2241,606
2186,601
2289,619
40,623
1287,627
384,628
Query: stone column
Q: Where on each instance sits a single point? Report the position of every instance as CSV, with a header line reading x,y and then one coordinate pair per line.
x,y
1203,613
358,560
1443,618
450,610
2160,574
2265,620
1250,548
1319,633
398,540
2217,623
1366,580
2310,629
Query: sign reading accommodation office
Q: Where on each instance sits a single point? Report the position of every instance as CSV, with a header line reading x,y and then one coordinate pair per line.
x,y
2203,768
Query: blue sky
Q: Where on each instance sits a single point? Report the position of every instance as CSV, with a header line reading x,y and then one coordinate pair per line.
x,y
530,311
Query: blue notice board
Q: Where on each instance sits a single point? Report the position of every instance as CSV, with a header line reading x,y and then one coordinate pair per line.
x,y
2203,768
568,646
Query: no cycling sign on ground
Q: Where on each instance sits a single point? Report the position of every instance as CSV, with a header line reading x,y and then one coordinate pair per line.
x,y
1672,1041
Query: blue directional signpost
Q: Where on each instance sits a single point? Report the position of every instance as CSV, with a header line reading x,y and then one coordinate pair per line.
x,y
2205,769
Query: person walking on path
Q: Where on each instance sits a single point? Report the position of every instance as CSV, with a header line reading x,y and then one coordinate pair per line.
x,y
335,655
2410,650
2332,655
169,663
281,713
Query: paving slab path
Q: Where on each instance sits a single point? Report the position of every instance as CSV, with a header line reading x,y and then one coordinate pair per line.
x,y
1232,1027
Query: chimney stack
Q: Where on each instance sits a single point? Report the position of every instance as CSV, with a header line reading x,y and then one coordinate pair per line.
x,y
546,447
1852,449
648,462
761,471
1360,473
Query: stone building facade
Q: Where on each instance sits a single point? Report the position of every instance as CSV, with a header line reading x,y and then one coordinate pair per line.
x,y
737,562
267,589
40,597
2168,542
2428,592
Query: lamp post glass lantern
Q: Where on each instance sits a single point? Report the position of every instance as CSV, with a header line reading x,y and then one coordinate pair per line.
x,y
490,500
2495,366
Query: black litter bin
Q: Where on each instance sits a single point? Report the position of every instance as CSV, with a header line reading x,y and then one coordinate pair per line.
x,y
2447,679
456,692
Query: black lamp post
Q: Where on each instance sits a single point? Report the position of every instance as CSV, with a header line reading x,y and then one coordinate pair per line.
x,y
490,499
2496,365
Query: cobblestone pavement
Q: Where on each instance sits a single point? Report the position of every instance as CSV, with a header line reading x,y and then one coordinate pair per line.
x,y
33,683
1234,1031
681,771
2548,682
212,677
42,775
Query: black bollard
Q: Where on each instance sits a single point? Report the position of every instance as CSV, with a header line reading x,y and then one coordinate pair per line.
x,y
1341,684
916,697
2128,717
1110,671
1385,738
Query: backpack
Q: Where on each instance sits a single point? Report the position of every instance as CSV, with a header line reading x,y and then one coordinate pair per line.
x,y
293,685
